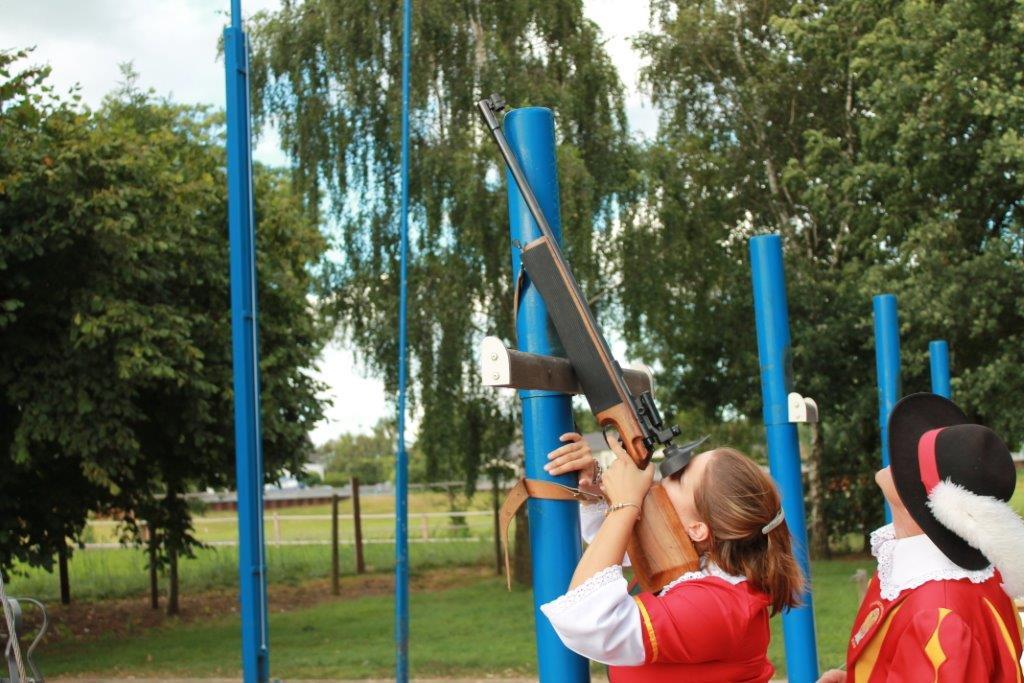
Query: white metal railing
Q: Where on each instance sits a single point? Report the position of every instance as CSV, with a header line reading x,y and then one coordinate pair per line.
x,y
376,515
428,532
341,541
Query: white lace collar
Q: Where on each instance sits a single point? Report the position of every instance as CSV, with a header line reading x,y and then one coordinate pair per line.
x,y
905,563
707,569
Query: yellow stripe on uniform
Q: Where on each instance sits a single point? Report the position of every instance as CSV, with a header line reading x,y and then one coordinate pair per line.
x,y
866,662
933,648
649,627
1014,656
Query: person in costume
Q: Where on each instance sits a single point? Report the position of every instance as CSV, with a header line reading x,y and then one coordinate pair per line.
x,y
707,625
939,608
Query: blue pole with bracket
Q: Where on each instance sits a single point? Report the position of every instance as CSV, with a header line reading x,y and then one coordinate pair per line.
x,y
938,355
887,366
771,314
252,564
402,458
555,543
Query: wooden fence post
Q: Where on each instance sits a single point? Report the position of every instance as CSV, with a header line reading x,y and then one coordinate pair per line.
x,y
335,587
495,490
154,585
358,522
65,585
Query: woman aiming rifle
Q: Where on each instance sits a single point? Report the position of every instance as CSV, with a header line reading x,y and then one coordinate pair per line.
x,y
707,625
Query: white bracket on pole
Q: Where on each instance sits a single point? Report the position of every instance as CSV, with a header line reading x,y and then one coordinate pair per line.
x,y
501,366
495,366
802,409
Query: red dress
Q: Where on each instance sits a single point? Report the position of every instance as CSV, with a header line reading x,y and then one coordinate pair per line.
x,y
702,630
943,631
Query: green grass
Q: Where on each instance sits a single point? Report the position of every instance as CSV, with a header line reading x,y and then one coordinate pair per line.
x,y
465,630
1018,496
471,630
103,573
97,573
474,629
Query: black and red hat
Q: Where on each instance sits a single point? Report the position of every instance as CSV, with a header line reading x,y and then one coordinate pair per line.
x,y
955,479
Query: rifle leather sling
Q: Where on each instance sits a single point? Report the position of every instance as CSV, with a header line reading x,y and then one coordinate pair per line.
x,y
532,488
582,345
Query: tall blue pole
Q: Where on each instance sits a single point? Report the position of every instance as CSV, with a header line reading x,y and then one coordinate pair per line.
x,y
771,314
555,544
938,354
245,357
887,366
402,460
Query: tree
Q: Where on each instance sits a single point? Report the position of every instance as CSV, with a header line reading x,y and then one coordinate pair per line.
x,y
46,492
327,74
370,457
863,133
117,338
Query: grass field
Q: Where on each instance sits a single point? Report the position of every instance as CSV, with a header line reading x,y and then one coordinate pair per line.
x,y
472,628
1018,496
101,573
96,573
469,627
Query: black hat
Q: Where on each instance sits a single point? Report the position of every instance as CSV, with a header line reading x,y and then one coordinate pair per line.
x,y
955,479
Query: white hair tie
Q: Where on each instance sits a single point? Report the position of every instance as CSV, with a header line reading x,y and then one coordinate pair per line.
x,y
776,521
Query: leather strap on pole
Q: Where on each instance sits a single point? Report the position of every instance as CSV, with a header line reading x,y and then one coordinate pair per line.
x,y
516,296
532,488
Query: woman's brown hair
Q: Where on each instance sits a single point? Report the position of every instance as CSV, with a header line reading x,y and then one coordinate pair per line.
x,y
737,499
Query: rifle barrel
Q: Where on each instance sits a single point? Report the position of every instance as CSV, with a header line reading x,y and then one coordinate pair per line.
x,y
517,172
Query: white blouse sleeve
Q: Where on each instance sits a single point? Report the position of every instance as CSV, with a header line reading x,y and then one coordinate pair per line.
x,y
591,518
599,620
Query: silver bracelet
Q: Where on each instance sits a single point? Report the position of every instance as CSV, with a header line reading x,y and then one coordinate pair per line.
x,y
620,506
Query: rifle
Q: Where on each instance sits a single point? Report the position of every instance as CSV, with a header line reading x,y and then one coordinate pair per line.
x,y
660,550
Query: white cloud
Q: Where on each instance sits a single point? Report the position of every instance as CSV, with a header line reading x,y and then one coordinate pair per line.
x,y
357,402
173,46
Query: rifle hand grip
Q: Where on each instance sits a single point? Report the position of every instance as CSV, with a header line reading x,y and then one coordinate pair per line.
x,y
624,421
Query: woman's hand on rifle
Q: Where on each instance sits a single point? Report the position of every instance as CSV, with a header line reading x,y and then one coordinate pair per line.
x,y
625,485
574,456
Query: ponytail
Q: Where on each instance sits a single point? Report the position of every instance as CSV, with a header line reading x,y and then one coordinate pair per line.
x,y
741,506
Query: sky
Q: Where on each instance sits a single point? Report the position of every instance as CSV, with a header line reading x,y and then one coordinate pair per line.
x,y
172,44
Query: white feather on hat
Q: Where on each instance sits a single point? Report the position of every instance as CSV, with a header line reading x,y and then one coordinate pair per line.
x,y
986,523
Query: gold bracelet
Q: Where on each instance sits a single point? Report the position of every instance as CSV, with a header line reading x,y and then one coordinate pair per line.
x,y
620,506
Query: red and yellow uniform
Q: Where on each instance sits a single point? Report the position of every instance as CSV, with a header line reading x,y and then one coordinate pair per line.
x,y
944,630
704,627
707,629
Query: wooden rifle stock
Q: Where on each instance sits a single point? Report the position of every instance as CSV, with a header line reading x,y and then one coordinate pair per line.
x,y
659,549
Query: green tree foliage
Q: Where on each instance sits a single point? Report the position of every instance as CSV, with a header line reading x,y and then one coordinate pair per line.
x,y
883,142
116,344
370,457
45,493
327,73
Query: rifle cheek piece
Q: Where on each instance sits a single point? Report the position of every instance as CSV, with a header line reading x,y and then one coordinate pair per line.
x,y
678,457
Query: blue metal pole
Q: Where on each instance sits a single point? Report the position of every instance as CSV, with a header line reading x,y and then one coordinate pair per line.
x,y
771,314
402,460
938,353
245,357
555,543
887,365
